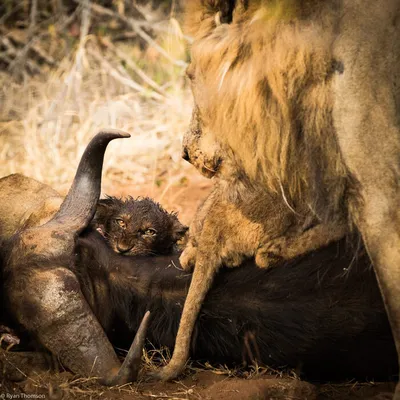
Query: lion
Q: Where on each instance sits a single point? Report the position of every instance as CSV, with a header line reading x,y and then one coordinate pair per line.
x,y
306,97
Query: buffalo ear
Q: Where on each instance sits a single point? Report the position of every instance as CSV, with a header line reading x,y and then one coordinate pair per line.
x,y
103,210
178,230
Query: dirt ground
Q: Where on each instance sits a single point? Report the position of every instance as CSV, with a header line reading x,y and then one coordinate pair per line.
x,y
208,383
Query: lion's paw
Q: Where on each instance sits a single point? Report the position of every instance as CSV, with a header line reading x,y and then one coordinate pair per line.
x,y
262,260
188,257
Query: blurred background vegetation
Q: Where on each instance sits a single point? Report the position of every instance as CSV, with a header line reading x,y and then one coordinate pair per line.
x,y
71,67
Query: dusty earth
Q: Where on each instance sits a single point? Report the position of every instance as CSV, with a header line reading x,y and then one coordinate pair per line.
x,y
199,383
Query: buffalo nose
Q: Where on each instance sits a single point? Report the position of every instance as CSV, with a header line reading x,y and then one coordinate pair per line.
x,y
185,154
123,250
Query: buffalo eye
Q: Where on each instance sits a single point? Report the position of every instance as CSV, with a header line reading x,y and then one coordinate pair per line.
x,y
150,232
120,223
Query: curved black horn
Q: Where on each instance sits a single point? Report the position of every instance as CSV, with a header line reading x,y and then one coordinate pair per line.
x,y
130,367
79,206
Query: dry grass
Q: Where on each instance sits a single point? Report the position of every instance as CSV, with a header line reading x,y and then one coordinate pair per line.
x,y
46,122
65,385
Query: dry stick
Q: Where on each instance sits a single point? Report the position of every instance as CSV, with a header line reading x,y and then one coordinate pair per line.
x,y
10,54
150,40
32,67
84,32
31,43
131,64
33,15
81,50
155,26
63,91
86,5
107,12
39,52
136,26
22,55
43,56
128,81
57,6
8,14
10,50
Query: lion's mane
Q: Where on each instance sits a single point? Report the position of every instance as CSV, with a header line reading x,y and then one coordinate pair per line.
x,y
266,96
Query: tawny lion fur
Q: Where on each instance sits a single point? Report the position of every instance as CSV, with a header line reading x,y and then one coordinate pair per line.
x,y
258,225
239,220
303,98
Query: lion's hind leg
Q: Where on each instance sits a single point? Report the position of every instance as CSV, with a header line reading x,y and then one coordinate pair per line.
x,y
287,247
312,239
366,115
269,253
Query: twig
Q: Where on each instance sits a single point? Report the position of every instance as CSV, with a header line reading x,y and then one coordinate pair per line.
x,y
131,64
21,57
124,80
136,27
36,50
5,16
42,55
36,36
32,67
84,32
33,15
9,48
151,41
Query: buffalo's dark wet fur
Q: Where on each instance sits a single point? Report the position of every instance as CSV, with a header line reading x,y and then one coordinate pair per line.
x,y
138,226
315,313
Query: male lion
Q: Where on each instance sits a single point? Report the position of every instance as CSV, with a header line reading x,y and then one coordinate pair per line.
x,y
305,94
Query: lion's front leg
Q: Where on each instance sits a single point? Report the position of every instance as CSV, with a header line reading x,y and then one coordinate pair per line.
x,y
202,237
226,235
210,249
188,257
203,276
189,254
206,212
